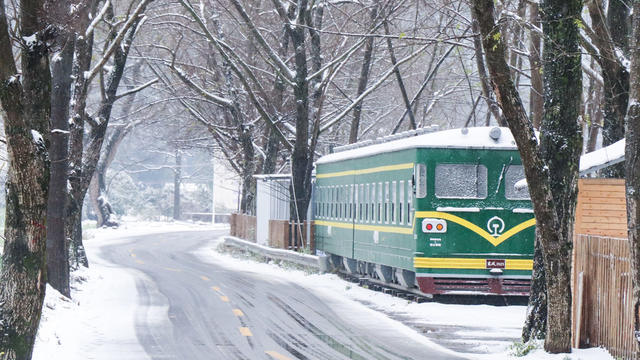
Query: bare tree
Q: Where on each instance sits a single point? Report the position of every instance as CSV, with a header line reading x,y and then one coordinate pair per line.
x,y
632,167
551,167
26,98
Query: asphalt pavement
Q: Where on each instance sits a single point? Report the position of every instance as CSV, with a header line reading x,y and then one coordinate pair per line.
x,y
219,313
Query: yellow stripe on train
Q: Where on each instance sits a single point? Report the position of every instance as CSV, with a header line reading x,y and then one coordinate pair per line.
x,y
495,241
366,171
466,263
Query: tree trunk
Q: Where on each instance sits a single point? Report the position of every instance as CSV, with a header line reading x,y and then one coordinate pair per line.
x,y
403,91
632,165
535,325
536,102
81,64
57,246
614,75
177,180
551,169
98,185
26,102
487,92
363,80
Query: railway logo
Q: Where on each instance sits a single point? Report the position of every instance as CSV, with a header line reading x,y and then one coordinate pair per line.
x,y
495,225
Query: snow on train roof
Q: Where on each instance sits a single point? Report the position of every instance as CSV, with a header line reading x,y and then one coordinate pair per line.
x,y
475,138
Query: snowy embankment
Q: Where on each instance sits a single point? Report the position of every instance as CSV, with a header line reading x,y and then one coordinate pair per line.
x,y
474,331
99,321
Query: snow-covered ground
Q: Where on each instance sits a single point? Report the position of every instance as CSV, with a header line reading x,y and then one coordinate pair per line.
x,y
103,307
87,326
479,328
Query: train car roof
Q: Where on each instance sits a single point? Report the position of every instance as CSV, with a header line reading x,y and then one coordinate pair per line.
x,y
465,138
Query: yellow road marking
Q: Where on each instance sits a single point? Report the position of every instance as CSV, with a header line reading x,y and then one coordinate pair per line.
x,y
140,261
172,269
366,171
204,278
276,355
245,331
132,255
216,288
237,312
224,298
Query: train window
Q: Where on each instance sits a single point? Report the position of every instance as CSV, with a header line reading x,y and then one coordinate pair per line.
x,y
461,181
366,202
409,201
401,202
334,210
386,202
361,198
335,200
342,203
372,218
420,172
514,174
351,203
380,200
394,199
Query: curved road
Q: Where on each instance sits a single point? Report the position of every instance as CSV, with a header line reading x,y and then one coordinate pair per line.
x,y
218,313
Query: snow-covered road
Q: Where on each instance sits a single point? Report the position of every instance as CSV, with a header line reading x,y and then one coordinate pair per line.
x,y
134,310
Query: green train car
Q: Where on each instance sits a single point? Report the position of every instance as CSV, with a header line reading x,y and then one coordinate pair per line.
x,y
434,209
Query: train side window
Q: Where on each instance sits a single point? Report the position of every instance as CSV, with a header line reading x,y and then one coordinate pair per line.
x,y
360,194
380,200
366,202
461,181
372,218
394,200
386,202
409,206
514,174
401,201
420,175
324,202
351,203
342,202
335,200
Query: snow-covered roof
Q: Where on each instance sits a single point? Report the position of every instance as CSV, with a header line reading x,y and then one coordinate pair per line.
x,y
602,158
475,138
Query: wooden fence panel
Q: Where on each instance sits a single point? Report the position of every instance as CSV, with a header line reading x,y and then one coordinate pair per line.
x,y
607,302
243,226
601,208
284,234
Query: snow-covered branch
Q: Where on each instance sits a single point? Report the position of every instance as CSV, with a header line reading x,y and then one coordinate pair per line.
x,y
380,81
117,40
137,89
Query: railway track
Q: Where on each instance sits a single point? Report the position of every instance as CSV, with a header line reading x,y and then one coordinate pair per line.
x,y
417,296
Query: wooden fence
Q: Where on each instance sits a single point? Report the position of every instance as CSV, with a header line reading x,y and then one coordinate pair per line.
x,y
602,302
601,208
243,226
284,234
